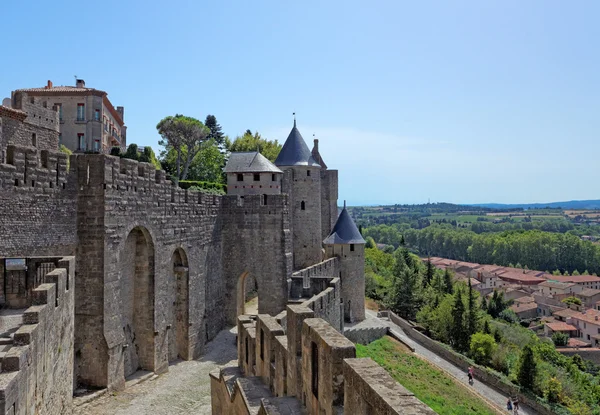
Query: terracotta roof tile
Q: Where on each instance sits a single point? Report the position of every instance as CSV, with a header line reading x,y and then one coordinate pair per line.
x,y
561,326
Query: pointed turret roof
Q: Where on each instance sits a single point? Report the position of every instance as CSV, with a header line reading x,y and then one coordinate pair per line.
x,y
249,162
344,231
295,152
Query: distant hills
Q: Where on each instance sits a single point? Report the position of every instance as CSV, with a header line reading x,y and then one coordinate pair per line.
x,y
571,204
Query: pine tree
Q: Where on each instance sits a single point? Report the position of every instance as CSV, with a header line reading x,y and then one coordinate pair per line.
x,y
460,339
447,281
484,305
527,368
216,132
471,312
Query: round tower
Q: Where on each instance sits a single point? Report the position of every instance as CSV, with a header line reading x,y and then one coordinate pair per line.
x,y
346,243
302,182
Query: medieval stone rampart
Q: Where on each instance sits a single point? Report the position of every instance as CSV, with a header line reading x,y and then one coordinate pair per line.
x,y
309,368
37,368
37,203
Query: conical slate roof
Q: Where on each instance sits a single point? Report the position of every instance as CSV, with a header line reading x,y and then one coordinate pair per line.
x,y
295,152
344,231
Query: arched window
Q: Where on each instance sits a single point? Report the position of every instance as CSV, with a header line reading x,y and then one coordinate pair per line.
x,y
302,205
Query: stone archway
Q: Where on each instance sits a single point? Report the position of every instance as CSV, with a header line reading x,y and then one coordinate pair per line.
x,y
247,286
179,299
137,298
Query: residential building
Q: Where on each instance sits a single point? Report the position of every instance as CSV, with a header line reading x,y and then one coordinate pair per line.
x,y
589,297
551,288
88,120
525,310
559,326
585,281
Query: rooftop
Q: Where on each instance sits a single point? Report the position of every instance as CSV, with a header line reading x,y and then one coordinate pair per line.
x,y
588,292
556,284
249,162
519,275
589,316
344,231
561,326
575,278
567,312
522,307
295,152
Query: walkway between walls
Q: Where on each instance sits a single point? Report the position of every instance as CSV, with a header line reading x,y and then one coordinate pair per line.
x,y
185,389
486,392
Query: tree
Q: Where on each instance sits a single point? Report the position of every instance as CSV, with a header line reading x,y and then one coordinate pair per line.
x,y
370,243
216,132
509,316
571,300
482,347
527,369
206,166
181,132
486,327
472,322
66,151
405,295
148,156
553,390
254,142
460,337
483,305
131,152
448,281
578,361
429,273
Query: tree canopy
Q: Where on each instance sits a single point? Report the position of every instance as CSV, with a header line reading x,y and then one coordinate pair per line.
x,y
254,142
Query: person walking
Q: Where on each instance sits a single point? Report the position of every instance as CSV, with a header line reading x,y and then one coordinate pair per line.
x,y
509,404
470,375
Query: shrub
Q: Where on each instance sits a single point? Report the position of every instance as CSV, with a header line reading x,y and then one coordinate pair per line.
x,y
572,300
553,390
132,152
482,348
509,316
560,339
198,185
68,152
116,151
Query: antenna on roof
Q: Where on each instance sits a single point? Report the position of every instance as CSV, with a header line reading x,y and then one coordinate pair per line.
x,y
344,204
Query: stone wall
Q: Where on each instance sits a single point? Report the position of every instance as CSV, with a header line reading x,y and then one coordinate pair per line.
x,y
304,191
352,274
329,198
365,335
31,122
257,242
309,369
145,302
37,204
462,362
37,371
327,305
313,279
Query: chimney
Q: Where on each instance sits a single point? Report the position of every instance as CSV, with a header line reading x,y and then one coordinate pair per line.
x,y
80,83
121,112
316,145
49,84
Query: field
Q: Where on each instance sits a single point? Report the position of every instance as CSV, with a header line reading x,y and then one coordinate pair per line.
x,y
429,384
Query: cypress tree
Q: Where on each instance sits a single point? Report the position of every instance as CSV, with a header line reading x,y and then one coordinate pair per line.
x,y
527,368
447,281
471,312
460,337
486,327
484,305
429,273
216,132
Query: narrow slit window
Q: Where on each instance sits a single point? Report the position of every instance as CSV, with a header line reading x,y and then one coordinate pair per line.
x,y
351,247
314,360
302,205
264,200
308,172
273,179
262,344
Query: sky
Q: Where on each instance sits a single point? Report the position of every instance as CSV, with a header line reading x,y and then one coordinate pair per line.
x,y
441,101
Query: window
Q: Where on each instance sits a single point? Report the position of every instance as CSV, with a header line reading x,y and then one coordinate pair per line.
x,y
256,177
96,145
264,199
351,247
34,139
302,205
588,337
59,138
273,179
80,112
262,344
59,107
81,141
246,342
314,363
240,177
97,115
308,172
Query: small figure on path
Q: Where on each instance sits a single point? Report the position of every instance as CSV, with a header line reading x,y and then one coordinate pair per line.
x,y
470,375
509,405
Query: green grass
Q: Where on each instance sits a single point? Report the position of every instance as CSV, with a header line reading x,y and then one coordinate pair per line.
x,y
429,384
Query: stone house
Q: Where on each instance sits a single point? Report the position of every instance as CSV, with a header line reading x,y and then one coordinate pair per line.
x,y
251,173
88,120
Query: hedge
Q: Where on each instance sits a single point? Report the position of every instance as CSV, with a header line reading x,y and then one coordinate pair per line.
x,y
186,184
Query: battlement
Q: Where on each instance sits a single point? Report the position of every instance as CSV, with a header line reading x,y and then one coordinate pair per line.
x,y
39,111
255,203
28,169
36,369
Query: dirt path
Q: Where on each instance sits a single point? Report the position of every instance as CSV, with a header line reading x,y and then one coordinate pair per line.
x,y
185,389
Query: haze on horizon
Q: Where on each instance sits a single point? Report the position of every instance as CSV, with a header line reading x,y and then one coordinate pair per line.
x,y
461,102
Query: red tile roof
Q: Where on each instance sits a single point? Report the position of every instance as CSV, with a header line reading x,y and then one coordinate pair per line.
x,y
576,343
575,278
524,300
561,326
567,312
589,316
522,307
518,275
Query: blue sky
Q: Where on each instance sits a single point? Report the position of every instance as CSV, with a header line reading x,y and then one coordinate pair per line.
x,y
457,101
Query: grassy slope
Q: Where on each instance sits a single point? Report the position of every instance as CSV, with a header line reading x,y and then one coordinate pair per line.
x,y
432,386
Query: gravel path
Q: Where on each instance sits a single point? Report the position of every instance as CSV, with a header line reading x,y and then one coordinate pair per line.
x,y
184,389
485,391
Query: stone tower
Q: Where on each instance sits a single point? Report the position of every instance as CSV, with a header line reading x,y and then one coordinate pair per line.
x,y
346,243
329,193
302,182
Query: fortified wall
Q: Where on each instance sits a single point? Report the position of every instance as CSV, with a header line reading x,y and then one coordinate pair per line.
x,y
308,368
36,357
